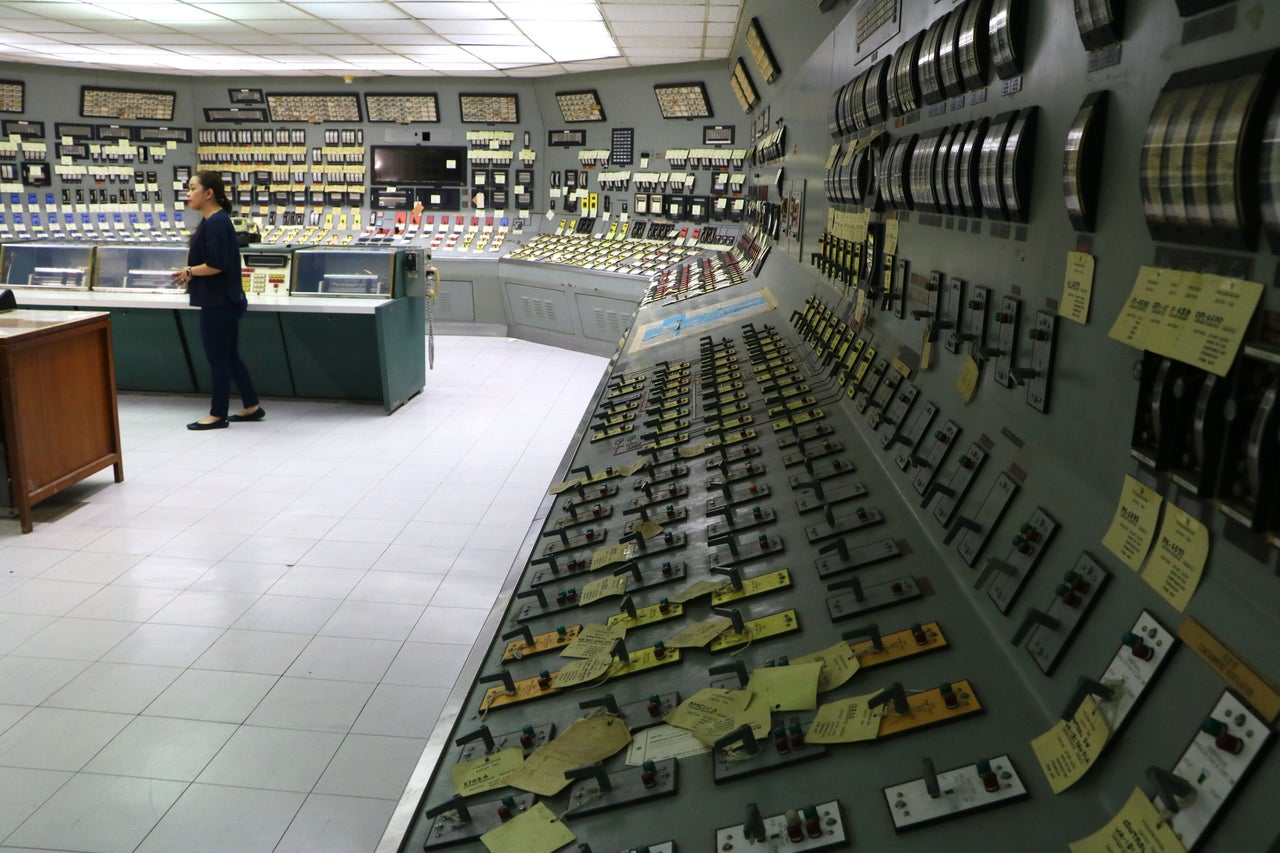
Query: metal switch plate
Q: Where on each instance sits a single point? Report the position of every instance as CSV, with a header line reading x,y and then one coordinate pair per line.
x,y
1047,645
1042,349
730,768
1023,559
970,542
894,416
625,789
934,452
1129,675
909,437
972,326
859,558
1007,340
967,468
775,827
446,831
952,308
1215,773
961,792
845,605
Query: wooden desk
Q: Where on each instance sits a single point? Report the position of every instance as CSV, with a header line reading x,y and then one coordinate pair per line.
x,y
57,402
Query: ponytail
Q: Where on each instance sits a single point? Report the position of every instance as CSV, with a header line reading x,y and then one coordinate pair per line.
x,y
212,180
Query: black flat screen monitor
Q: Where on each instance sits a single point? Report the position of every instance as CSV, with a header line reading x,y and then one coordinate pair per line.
x,y
419,164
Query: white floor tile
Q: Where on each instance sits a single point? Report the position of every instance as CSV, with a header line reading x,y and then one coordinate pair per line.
x,y
426,665
421,559
441,534
373,620
24,561
22,791
112,814
329,824
291,526
162,748
288,613
345,555
216,819
454,625
30,681
459,591
166,571
76,639
120,688
10,714
312,704
371,766
163,645
47,598
89,567
16,628
58,738
266,548
210,609
401,711
202,545
130,540
124,603
310,581
263,652
397,587
228,576
344,659
225,697
277,759
483,562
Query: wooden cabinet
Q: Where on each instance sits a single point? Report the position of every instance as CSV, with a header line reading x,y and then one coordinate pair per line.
x,y
57,401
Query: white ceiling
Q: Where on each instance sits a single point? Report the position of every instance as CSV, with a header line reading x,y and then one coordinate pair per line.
x,y
363,38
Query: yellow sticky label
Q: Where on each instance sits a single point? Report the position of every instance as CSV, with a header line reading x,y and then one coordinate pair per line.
x,y
1134,525
1137,826
604,588
846,721
839,664
536,831
1176,564
697,635
486,774
967,383
787,688
1077,288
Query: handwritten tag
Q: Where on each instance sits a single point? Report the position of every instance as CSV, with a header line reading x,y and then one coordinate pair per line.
x,y
1137,826
535,831
1072,746
486,774
581,671
839,664
699,634
604,588
967,383
787,688
585,741
846,721
696,590
593,641
1077,288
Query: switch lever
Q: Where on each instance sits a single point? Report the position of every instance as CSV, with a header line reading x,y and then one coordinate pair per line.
x,y
895,693
812,484
743,735
727,512
1086,687
961,523
642,511
606,701
839,547
591,771
619,650
636,537
501,675
738,668
753,827
520,631
1172,790
457,804
726,538
931,779
481,733
870,632
536,592
1034,617
734,575
853,584
549,560
994,564
734,616
628,607
630,566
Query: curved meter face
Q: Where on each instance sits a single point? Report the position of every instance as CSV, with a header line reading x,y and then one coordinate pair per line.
x,y
990,165
1100,22
1006,30
846,108
954,153
1082,161
1269,176
885,179
1016,165
972,45
1151,161
835,123
1230,209
904,79
871,193
1209,160
859,102
949,54
877,92
854,182
941,172
967,170
906,153
927,64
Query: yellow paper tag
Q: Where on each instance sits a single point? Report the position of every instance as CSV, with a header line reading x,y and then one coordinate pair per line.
x,y
696,590
585,741
648,529
967,383
697,635
1134,525
839,664
593,641
609,555
535,831
787,688
708,709
581,671
1136,827
1071,747
603,588
846,721
486,774
1176,564
1077,288
891,237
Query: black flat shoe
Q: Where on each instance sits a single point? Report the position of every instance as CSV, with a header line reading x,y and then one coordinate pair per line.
x,y
256,416
218,424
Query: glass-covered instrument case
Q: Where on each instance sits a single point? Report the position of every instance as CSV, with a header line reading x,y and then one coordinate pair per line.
x,y
362,273
51,266
139,269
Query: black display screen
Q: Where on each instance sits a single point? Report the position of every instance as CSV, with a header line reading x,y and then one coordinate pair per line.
x,y
419,164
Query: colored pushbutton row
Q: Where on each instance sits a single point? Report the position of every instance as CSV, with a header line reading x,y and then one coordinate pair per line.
x,y
576,565
527,736
763,539
795,827
757,513
1067,595
781,742
1137,647
671,511
812,825
837,465
668,537
990,782
590,533
648,774
1222,738
664,606
507,809
562,597
654,706
1037,335
544,679
918,634
796,734
1077,583
949,697
860,513
666,568
659,650
752,488
1004,317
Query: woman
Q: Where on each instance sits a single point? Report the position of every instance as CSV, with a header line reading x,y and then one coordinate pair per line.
x,y
212,279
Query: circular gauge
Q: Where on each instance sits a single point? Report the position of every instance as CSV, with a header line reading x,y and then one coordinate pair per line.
x,y
904,78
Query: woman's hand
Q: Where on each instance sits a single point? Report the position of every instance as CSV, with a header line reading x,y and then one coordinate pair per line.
x,y
182,276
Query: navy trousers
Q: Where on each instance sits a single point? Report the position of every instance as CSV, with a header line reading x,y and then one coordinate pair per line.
x,y
220,333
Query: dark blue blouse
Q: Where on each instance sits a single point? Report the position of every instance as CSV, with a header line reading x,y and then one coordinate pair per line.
x,y
214,244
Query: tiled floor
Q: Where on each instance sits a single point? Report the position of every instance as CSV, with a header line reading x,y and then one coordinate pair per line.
x,y
245,645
